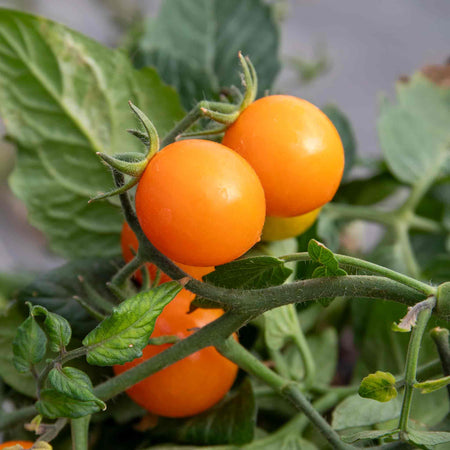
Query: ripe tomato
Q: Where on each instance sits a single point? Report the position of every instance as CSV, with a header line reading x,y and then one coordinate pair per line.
x,y
129,243
24,444
200,203
191,385
295,150
278,228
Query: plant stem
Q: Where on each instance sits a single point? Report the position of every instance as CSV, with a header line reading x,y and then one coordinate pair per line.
x,y
419,190
184,124
75,353
412,359
408,254
126,271
260,300
211,334
441,339
305,352
357,263
367,213
80,433
244,359
53,430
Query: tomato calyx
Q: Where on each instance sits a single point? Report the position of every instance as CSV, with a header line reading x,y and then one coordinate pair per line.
x,y
131,163
226,113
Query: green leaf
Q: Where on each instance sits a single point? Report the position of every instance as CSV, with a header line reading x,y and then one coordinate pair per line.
x,y
55,290
324,256
414,133
194,45
281,325
54,404
356,411
344,128
432,385
379,386
250,273
324,271
10,320
122,336
63,97
428,439
369,434
29,345
57,328
232,421
73,383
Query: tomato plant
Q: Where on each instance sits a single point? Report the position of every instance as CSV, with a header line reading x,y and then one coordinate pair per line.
x,y
279,228
343,335
23,444
129,244
295,150
191,385
200,203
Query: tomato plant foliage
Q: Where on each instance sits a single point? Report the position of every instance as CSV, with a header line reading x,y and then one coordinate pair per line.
x,y
317,329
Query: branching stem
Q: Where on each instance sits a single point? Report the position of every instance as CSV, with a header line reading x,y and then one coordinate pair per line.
x,y
288,389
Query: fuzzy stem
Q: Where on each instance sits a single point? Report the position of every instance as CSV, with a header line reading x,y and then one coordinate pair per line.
x,y
80,433
244,359
211,334
412,359
441,339
350,261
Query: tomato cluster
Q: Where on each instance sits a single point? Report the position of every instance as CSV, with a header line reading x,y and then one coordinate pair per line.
x,y
203,204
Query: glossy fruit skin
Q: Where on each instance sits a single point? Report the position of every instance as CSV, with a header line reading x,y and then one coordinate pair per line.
x,y
279,228
295,150
24,444
200,203
129,244
191,385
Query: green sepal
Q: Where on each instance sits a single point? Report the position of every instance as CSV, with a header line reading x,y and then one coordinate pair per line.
x,y
379,386
140,135
120,190
134,169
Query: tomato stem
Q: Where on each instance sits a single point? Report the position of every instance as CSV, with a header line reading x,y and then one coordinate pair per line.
x,y
288,389
80,433
412,359
441,339
349,261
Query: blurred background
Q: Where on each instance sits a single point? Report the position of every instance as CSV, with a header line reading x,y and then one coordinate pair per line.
x,y
345,52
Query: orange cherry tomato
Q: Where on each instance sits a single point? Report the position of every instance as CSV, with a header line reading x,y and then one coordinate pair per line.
x,y
130,244
200,203
191,385
295,150
278,228
24,444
